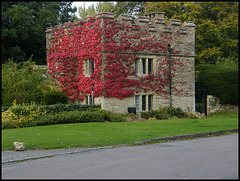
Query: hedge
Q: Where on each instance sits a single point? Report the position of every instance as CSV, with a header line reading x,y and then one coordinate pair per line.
x,y
66,117
220,81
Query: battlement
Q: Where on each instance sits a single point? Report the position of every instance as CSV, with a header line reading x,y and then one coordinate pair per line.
x,y
180,36
152,21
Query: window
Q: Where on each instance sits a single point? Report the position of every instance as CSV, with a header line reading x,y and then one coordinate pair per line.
x,y
137,103
144,66
88,100
150,102
88,67
143,102
136,65
150,64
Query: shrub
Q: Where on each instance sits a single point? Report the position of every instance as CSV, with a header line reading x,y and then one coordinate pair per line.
x,y
91,115
54,97
174,112
158,114
192,115
18,115
163,113
67,107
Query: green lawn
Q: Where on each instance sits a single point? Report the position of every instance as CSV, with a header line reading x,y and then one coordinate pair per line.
x,y
112,133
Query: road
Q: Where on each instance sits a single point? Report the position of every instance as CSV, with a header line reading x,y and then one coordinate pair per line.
x,y
202,158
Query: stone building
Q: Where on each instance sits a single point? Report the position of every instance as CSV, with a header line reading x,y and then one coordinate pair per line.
x,y
131,61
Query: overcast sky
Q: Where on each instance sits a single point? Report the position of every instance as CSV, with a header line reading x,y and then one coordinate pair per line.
x,y
81,4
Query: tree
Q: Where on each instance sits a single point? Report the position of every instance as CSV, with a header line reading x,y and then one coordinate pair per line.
x,y
120,7
129,7
24,83
216,30
92,10
23,27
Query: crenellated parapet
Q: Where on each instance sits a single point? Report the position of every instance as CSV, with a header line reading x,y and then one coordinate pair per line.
x,y
180,36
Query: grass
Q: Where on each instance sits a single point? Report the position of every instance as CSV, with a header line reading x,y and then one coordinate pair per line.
x,y
112,133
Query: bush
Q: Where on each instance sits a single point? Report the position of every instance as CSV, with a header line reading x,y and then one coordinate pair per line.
x,y
18,115
67,107
163,113
158,114
174,112
54,97
91,115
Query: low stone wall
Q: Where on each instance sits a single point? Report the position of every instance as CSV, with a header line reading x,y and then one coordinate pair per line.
x,y
213,105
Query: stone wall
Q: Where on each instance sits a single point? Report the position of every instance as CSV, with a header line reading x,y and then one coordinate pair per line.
x,y
213,105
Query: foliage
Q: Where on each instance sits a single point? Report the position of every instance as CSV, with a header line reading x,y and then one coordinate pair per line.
x,y
164,113
23,27
155,114
216,30
67,107
54,97
174,112
91,11
18,115
119,7
64,117
70,49
220,81
25,83
192,115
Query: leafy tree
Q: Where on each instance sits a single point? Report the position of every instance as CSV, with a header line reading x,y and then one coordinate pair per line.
x,y
23,27
24,82
91,11
129,7
216,30
120,7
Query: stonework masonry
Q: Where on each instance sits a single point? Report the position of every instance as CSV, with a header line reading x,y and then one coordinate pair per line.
x,y
181,37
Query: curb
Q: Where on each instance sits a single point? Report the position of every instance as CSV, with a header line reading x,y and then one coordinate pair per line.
x,y
198,135
56,154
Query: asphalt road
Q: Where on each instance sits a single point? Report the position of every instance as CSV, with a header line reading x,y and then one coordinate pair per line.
x,y
202,158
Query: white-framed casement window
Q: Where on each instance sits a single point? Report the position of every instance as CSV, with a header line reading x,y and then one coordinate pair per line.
x,y
144,102
144,66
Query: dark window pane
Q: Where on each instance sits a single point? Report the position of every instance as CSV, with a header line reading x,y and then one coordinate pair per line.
x,y
143,102
150,63
150,102
144,65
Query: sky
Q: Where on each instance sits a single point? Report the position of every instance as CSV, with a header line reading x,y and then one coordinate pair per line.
x,y
81,4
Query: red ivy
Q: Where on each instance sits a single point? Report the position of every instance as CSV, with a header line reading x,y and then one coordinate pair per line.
x,y
113,47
